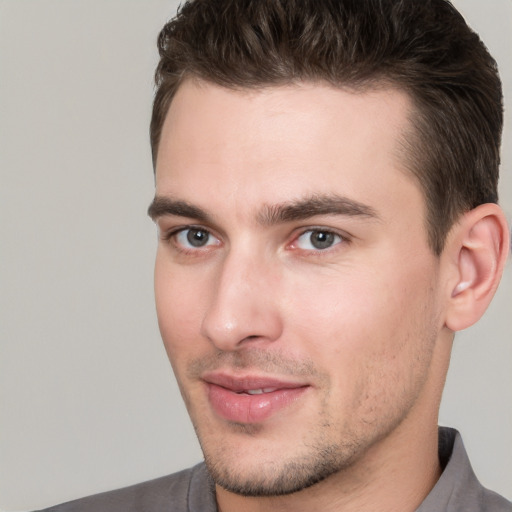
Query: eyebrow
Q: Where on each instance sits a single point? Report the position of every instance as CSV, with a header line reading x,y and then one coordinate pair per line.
x,y
161,206
312,206
300,209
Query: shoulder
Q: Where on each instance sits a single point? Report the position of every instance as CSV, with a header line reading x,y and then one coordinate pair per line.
x,y
468,490
169,493
458,489
493,501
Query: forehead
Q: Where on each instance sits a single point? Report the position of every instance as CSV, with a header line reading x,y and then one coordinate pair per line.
x,y
279,143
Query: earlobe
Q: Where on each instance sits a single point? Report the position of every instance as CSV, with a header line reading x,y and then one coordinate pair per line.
x,y
479,248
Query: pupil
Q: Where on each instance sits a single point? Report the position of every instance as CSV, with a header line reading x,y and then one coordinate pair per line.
x,y
197,237
321,239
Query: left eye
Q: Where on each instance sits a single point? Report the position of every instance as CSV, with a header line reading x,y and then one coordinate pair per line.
x,y
195,238
317,240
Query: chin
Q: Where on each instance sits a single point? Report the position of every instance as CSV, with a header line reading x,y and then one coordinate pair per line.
x,y
262,478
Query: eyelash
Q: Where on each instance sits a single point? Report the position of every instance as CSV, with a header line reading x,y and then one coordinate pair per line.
x,y
343,240
170,237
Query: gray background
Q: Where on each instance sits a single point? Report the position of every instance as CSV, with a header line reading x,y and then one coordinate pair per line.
x,y
87,398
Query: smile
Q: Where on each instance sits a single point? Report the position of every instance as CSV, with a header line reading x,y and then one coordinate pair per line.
x,y
250,400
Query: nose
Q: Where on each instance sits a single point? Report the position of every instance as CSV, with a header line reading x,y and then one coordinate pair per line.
x,y
243,307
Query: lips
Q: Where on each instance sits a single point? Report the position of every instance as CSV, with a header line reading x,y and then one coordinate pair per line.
x,y
249,400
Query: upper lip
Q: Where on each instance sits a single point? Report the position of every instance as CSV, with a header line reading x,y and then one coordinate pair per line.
x,y
243,383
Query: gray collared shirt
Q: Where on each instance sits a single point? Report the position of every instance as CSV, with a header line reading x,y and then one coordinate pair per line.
x,y
458,489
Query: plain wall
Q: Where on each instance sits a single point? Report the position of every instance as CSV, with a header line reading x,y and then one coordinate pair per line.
x,y
87,398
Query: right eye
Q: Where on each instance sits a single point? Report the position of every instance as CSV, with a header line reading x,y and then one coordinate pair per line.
x,y
194,238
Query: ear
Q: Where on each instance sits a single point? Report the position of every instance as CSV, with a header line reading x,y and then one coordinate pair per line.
x,y
477,249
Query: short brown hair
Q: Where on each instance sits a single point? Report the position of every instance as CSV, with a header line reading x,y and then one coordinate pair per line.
x,y
422,47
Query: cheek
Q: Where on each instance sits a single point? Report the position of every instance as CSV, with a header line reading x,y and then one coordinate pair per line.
x,y
361,319
178,307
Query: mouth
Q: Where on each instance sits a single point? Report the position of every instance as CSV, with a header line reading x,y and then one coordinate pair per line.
x,y
250,399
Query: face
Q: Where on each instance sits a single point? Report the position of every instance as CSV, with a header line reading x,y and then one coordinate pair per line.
x,y
295,289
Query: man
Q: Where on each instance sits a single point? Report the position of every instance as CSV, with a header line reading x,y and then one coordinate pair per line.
x,y
326,177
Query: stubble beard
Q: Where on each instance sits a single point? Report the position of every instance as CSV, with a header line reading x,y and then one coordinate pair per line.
x,y
332,449
279,479
319,459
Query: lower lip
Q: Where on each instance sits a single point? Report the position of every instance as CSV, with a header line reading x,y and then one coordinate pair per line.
x,y
244,408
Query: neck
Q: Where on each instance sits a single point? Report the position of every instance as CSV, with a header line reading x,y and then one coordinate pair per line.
x,y
395,474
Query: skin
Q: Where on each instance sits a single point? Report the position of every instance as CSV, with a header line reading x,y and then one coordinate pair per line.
x,y
361,324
